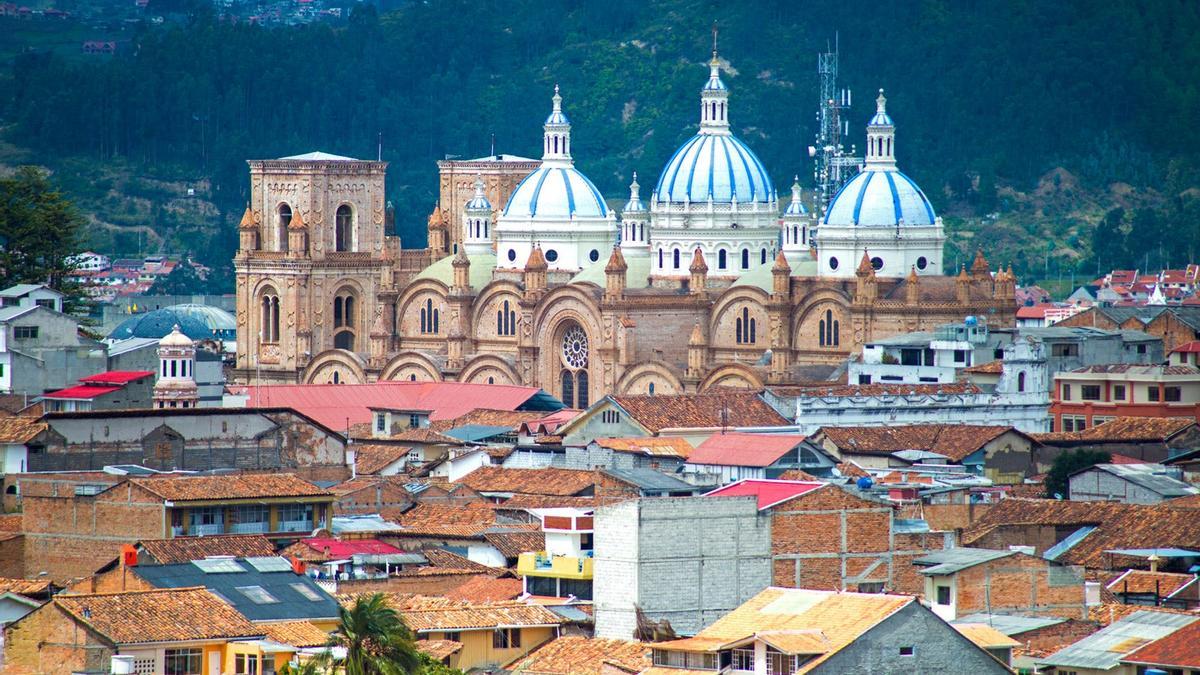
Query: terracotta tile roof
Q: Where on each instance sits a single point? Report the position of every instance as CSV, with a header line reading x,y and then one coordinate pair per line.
x,y
1180,649
187,549
24,586
797,474
707,410
371,458
741,449
161,615
548,481
545,502
513,544
990,368
480,616
513,419
441,558
1123,429
839,618
426,435
856,390
438,649
653,446
1188,502
852,470
985,636
1165,584
486,589
955,441
465,520
577,655
296,633
1109,613
20,429
240,486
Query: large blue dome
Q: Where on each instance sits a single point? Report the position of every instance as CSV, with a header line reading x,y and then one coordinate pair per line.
x,y
199,322
556,191
880,198
716,165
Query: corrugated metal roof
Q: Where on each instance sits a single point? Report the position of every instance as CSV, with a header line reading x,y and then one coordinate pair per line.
x,y
649,480
1010,624
951,560
1104,650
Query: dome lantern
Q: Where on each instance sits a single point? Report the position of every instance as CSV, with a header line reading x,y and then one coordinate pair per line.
x,y
176,383
881,138
714,98
633,219
477,221
557,136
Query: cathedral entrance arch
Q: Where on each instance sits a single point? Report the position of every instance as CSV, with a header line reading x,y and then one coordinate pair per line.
x,y
411,367
489,369
736,375
653,377
335,366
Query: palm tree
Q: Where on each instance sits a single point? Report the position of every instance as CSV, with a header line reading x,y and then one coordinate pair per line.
x,y
375,639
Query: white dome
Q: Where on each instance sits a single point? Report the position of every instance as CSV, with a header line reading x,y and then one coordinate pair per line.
x,y
556,191
716,165
881,199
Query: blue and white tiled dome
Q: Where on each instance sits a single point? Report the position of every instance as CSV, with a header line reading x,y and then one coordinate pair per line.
x,y
880,198
556,191
716,165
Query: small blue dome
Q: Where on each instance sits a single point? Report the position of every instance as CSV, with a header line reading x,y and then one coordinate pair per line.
x,y
557,117
634,206
881,119
719,165
479,203
556,191
880,198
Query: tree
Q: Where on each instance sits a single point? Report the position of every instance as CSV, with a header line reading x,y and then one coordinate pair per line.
x,y
375,639
1067,463
40,232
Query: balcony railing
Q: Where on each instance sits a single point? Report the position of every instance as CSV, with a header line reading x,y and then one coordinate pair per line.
x,y
249,528
295,526
542,564
206,530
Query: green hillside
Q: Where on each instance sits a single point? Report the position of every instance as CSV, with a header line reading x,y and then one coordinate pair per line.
x,y
1027,123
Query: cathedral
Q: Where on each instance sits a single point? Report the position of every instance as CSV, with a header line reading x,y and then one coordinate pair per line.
x,y
531,277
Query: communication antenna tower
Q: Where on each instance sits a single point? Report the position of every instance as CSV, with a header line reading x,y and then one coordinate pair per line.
x,y
833,165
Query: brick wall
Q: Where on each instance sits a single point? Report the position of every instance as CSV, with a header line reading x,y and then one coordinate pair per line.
x,y
49,641
1052,638
385,498
1022,583
12,555
115,580
831,539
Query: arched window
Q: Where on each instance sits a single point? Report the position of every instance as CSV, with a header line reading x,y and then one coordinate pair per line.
x,y
804,235
836,335
821,332
344,232
660,258
506,320
746,333
285,217
722,110
343,321
581,389
269,327
828,330
763,257
722,259
1021,381
337,378
675,258
556,145
173,367
641,232
568,388
429,318
745,258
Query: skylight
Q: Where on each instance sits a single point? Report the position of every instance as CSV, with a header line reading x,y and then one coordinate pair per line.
x,y
306,592
218,565
257,594
271,563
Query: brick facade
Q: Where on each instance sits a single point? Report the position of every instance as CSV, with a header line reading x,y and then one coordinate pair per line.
x,y
1020,583
51,642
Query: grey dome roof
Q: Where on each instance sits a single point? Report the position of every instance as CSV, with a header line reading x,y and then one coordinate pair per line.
x,y
199,322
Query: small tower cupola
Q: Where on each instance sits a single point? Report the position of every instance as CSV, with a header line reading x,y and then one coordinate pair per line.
x,y
477,221
714,98
176,383
633,219
795,222
557,136
881,138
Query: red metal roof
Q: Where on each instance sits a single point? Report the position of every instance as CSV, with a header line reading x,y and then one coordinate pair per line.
x,y
1187,347
345,549
116,377
335,404
742,449
83,391
1034,312
769,492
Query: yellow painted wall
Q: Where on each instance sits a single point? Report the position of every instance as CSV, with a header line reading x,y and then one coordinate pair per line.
x,y
477,651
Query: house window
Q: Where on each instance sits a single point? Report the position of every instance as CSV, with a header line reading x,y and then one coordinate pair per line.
x,y
1070,349
1172,394
779,663
743,659
453,636
1074,423
183,661
380,422
960,356
414,421
1066,392
1118,392
870,587
245,664
25,332
506,638
910,357
943,595
1152,393
1090,392
1141,349
907,651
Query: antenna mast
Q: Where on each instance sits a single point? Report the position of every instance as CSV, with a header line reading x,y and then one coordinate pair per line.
x,y
832,165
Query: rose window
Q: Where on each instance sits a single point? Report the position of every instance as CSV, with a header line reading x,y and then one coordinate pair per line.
x,y
575,348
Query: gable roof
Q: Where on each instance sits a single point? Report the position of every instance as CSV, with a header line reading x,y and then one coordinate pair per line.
x,y
768,492
545,481
512,614
140,617
296,633
187,549
1178,649
1105,649
742,449
513,544
577,655
25,586
954,441
832,620
1122,429
291,595
334,404
239,486
951,560
371,458
1151,477
486,589
708,410
469,520
20,429
985,636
